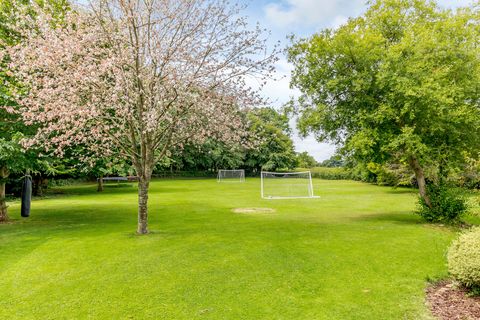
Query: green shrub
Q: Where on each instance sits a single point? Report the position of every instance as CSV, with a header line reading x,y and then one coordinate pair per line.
x,y
360,172
448,204
464,259
384,176
54,183
328,173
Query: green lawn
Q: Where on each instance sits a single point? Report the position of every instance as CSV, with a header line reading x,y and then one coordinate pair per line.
x,y
356,252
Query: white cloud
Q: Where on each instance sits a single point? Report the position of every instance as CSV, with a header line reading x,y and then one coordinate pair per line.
x,y
279,92
454,3
278,89
338,21
320,151
300,13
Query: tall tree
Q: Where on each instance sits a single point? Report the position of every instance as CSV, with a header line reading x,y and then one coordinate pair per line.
x,y
138,78
12,156
400,83
10,125
211,155
269,133
305,160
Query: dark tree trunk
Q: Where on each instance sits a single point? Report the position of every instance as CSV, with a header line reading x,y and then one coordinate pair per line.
x,y
43,186
420,176
35,185
38,185
100,184
3,202
143,185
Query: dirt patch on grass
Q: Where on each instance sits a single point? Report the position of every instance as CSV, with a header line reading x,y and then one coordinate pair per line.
x,y
449,302
253,210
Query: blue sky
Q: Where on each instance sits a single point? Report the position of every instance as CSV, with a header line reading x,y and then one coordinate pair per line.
x,y
303,18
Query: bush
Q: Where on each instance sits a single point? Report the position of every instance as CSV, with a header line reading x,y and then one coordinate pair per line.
x,y
464,259
448,204
384,176
54,183
328,173
360,172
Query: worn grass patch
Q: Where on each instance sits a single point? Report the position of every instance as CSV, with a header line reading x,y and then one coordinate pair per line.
x,y
253,210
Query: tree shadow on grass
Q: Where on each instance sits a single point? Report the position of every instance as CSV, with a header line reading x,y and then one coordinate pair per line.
x,y
402,191
91,191
400,217
23,236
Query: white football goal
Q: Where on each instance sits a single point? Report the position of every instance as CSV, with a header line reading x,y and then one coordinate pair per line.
x,y
231,175
286,185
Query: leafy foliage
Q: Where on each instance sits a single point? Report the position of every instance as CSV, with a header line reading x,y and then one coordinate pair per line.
x,y
305,160
448,204
400,84
330,173
13,158
267,145
464,259
334,161
211,155
274,148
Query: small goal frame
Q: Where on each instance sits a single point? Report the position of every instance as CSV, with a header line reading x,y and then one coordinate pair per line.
x,y
241,177
310,185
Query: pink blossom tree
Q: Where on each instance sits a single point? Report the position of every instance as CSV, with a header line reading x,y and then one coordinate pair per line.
x,y
138,78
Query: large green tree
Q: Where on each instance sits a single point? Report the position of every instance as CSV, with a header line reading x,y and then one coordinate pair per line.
x,y
399,84
267,145
10,150
305,160
269,132
12,156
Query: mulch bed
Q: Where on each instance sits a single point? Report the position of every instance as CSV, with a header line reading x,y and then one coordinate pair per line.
x,y
449,302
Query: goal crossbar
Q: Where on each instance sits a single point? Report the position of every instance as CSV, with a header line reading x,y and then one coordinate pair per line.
x,y
279,185
237,175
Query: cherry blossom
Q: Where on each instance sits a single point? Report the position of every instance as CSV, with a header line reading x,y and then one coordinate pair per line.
x,y
137,79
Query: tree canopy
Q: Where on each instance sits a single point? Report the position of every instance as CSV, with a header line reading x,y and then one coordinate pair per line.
x,y
399,84
13,158
305,160
267,145
136,79
270,133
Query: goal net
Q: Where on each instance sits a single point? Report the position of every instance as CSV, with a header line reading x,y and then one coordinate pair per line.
x,y
231,175
286,185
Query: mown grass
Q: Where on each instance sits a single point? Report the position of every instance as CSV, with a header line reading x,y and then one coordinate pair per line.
x,y
357,252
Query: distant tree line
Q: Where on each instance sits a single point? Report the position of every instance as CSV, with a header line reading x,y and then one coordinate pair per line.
x,y
268,146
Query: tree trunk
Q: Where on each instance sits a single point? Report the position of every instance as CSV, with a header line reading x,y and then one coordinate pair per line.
x,y
420,176
38,186
35,185
100,184
43,186
3,202
143,185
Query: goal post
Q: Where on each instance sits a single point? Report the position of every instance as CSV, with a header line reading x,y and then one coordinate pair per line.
x,y
286,185
237,175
